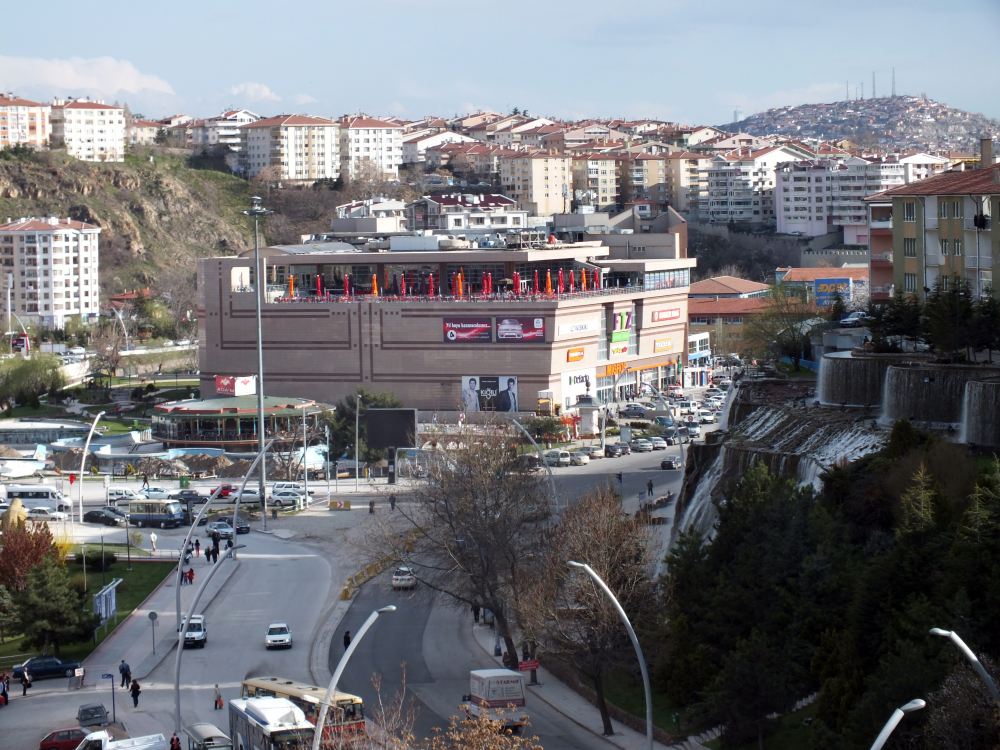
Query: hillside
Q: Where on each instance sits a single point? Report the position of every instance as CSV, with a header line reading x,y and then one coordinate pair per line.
x,y
885,123
155,215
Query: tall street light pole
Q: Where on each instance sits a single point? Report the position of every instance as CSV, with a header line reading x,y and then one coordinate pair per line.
x,y
541,456
260,289
976,664
332,688
83,460
635,644
897,716
604,414
357,422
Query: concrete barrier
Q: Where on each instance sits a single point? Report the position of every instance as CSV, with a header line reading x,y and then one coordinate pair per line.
x,y
340,505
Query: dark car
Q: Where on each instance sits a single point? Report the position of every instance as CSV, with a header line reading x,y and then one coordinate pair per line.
x,y
40,667
633,412
93,715
528,463
242,528
184,495
103,515
614,450
676,436
63,739
671,462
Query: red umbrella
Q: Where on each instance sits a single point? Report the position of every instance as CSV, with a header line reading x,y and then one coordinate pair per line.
x,y
489,278
517,282
572,280
597,279
347,284
430,285
562,284
536,281
319,286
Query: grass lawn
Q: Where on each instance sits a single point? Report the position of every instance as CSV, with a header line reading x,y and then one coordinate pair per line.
x,y
791,735
789,370
26,412
134,588
620,689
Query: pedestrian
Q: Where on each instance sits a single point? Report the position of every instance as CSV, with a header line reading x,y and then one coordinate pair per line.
x,y
134,691
371,507
649,488
217,698
197,547
152,541
145,481
190,576
506,660
392,501
347,639
229,543
126,672
175,742
25,682
475,613
4,685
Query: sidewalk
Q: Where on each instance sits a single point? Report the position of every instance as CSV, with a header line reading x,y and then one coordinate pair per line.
x,y
132,640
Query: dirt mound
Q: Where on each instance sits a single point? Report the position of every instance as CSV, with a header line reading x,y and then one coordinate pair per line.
x,y
8,452
160,467
69,460
208,465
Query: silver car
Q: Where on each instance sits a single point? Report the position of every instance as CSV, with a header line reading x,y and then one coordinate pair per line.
x,y
578,458
658,443
641,445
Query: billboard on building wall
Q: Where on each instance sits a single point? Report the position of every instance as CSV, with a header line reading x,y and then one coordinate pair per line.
x,y
575,355
489,393
228,385
468,330
672,313
521,330
584,326
828,289
662,345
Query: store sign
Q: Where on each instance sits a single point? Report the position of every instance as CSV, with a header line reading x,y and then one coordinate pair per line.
x,y
620,335
524,330
616,369
662,345
673,313
226,385
468,330
828,289
622,321
575,355
619,350
586,326
577,383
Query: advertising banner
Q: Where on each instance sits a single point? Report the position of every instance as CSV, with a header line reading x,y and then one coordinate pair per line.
x,y
584,326
468,330
577,383
619,350
489,393
523,330
227,385
620,335
575,355
672,313
828,289
662,345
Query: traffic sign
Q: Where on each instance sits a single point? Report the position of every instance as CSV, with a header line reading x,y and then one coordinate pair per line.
x,y
528,666
107,677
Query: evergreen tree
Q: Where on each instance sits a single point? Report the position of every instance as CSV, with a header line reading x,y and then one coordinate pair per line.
x,y
51,609
8,613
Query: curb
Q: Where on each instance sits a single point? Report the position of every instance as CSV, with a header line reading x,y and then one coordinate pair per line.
x,y
319,653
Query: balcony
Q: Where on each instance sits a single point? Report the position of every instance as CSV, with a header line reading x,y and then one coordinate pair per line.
x,y
881,223
933,259
970,227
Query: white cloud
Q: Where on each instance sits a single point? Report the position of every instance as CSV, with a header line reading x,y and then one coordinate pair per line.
x,y
304,99
101,74
255,92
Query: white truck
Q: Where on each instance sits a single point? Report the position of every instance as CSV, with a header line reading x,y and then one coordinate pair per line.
x,y
499,694
104,741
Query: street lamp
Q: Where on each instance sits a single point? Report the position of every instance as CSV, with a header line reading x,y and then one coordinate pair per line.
x,y
976,664
897,716
325,705
256,211
357,422
305,450
604,413
635,644
83,459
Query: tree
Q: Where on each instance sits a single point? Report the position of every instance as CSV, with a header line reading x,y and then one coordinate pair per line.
x,y
903,317
23,380
341,423
24,548
51,609
8,613
780,328
564,609
110,343
838,309
161,137
474,528
948,316
986,325
961,713
365,180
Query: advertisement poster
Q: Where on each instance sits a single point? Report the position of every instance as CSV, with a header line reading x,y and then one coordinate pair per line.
x,y
619,350
468,330
828,289
226,385
662,345
673,313
575,355
524,330
489,393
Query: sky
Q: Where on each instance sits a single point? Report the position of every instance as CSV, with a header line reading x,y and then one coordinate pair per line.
x,y
686,62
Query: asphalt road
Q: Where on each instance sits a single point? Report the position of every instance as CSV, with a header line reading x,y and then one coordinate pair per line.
x,y
435,642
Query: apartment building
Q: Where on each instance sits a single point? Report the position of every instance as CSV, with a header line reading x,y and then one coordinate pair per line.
x,y
740,186
566,140
483,158
143,132
540,182
929,232
415,145
684,180
725,320
23,122
54,265
465,213
90,130
644,180
596,180
304,149
367,140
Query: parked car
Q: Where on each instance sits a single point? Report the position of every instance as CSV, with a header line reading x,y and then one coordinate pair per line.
x,y
156,493
707,416
184,342
241,528
528,462
42,513
855,320
63,739
118,512
725,384
614,450
77,351
664,421
640,445
122,495
292,487
578,458
403,578
713,391
594,451
93,715
557,457
104,516
658,443
227,490
169,343
671,463
278,636
633,411
197,632
189,495
224,529
40,667
693,428
249,495
676,437
285,498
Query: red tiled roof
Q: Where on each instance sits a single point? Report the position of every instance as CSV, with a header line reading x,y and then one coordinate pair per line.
x,y
366,122
698,308
726,285
271,122
811,274
39,225
84,105
953,182
146,124
16,101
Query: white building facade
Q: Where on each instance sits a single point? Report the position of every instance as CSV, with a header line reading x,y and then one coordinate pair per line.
x,y
304,149
91,131
54,264
415,146
23,122
366,140
740,186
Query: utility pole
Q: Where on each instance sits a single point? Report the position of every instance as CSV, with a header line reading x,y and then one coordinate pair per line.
x,y
894,82
10,331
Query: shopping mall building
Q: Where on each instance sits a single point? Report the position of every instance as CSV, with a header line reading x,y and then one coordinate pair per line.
x,y
485,341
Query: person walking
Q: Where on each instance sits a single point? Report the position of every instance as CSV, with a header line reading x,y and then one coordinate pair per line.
x,y
649,488
506,660
25,682
145,482
175,742
392,501
217,698
475,613
347,639
126,672
197,547
371,507
190,576
229,543
134,691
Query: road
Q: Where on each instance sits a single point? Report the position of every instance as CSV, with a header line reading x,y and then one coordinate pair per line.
x,y
435,642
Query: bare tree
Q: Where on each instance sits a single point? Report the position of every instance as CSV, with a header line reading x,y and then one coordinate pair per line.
x,y
177,292
567,613
110,341
781,328
366,180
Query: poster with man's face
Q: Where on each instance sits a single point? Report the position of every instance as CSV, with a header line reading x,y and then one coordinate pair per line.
x,y
490,393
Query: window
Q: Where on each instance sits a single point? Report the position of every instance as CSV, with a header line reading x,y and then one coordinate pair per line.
x,y
944,247
910,282
957,247
910,247
944,283
956,209
942,209
909,212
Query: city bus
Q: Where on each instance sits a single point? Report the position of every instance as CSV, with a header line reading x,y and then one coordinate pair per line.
x,y
345,720
39,495
162,513
268,724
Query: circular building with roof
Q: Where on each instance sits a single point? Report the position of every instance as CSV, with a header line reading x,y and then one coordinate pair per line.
x,y
230,422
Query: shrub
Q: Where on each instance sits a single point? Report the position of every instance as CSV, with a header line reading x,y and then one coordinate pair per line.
x,y
94,561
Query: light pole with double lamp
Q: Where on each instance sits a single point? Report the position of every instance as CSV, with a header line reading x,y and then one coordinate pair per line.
x,y
332,688
260,292
83,460
976,664
635,644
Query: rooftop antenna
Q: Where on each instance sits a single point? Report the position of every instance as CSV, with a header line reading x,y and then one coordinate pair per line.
x,y
862,89
893,81
847,91
873,85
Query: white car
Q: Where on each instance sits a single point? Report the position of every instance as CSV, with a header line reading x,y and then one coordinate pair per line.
x,y
278,636
184,342
556,457
659,444
510,329
169,343
197,632
707,416
285,498
403,578
578,458
46,514
155,493
641,445
78,351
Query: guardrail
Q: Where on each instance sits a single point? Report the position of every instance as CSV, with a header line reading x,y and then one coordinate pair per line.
x,y
374,569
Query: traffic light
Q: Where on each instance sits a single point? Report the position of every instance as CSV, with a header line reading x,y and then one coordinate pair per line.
x,y
619,475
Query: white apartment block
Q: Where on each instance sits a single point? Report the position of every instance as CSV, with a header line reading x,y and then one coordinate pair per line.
x,y
91,131
54,263
739,186
364,140
596,180
225,128
465,213
304,149
415,145
143,132
541,183
24,122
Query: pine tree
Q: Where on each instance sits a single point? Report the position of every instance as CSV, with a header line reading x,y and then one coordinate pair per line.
x,y
51,610
918,504
8,613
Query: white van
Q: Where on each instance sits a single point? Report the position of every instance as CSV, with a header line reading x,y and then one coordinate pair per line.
x,y
291,487
122,495
39,496
499,694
